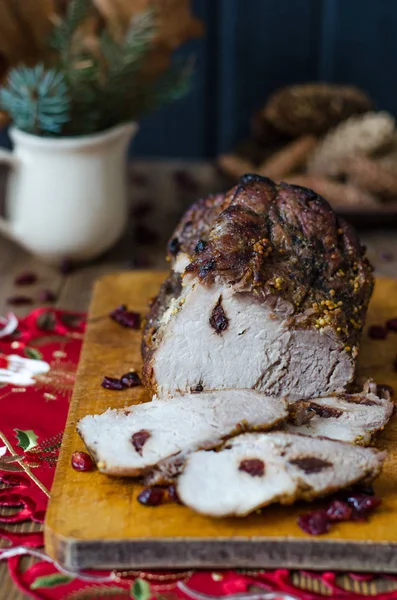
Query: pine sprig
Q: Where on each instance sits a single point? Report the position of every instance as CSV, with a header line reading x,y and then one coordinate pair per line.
x,y
37,99
85,91
173,85
124,61
65,28
135,45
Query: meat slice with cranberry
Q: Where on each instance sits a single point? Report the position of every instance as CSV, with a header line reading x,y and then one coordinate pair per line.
x,y
255,470
134,441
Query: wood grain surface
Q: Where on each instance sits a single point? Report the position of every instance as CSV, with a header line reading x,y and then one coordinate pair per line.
x,y
96,521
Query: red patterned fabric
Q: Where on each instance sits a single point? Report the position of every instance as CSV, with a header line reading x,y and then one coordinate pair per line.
x,y
38,359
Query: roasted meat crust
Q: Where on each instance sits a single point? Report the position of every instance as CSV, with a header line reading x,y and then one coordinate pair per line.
x,y
285,245
286,241
169,289
196,224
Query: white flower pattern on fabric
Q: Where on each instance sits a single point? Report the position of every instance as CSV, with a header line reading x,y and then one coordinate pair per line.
x,y
22,371
8,324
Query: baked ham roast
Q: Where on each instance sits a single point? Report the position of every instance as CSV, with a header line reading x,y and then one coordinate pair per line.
x,y
254,470
268,290
132,441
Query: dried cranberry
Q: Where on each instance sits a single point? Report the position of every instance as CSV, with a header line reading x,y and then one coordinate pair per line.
x,y
311,464
19,300
151,496
112,383
362,503
325,412
47,296
130,379
218,319
315,523
174,246
339,511
173,494
66,267
27,278
81,461
120,309
253,466
139,439
126,318
391,324
377,332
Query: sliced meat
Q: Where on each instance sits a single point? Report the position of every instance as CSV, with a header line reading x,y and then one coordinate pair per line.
x,y
347,417
273,298
131,442
254,470
253,346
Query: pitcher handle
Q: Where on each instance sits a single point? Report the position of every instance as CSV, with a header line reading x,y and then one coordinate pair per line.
x,y
7,157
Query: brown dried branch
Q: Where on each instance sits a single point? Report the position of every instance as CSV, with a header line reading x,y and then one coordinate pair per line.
x,y
290,158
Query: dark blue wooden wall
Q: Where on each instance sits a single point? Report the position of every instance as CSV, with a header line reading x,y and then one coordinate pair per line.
x,y
251,47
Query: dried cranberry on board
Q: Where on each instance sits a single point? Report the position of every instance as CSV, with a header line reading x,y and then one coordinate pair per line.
x,y
362,503
81,461
315,523
47,296
391,324
66,266
130,379
339,511
173,494
377,332
27,278
112,383
152,496
126,318
19,300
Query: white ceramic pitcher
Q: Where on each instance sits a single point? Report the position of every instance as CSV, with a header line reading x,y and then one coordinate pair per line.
x,y
67,197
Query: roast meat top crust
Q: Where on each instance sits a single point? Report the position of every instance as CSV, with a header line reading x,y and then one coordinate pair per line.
x,y
286,246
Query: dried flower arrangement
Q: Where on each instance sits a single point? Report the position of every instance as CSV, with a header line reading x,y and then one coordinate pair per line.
x,y
324,137
95,72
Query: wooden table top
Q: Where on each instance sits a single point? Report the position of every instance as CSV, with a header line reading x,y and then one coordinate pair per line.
x,y
160,192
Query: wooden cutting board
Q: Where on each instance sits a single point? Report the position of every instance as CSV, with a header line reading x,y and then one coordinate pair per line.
x,y
96,521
